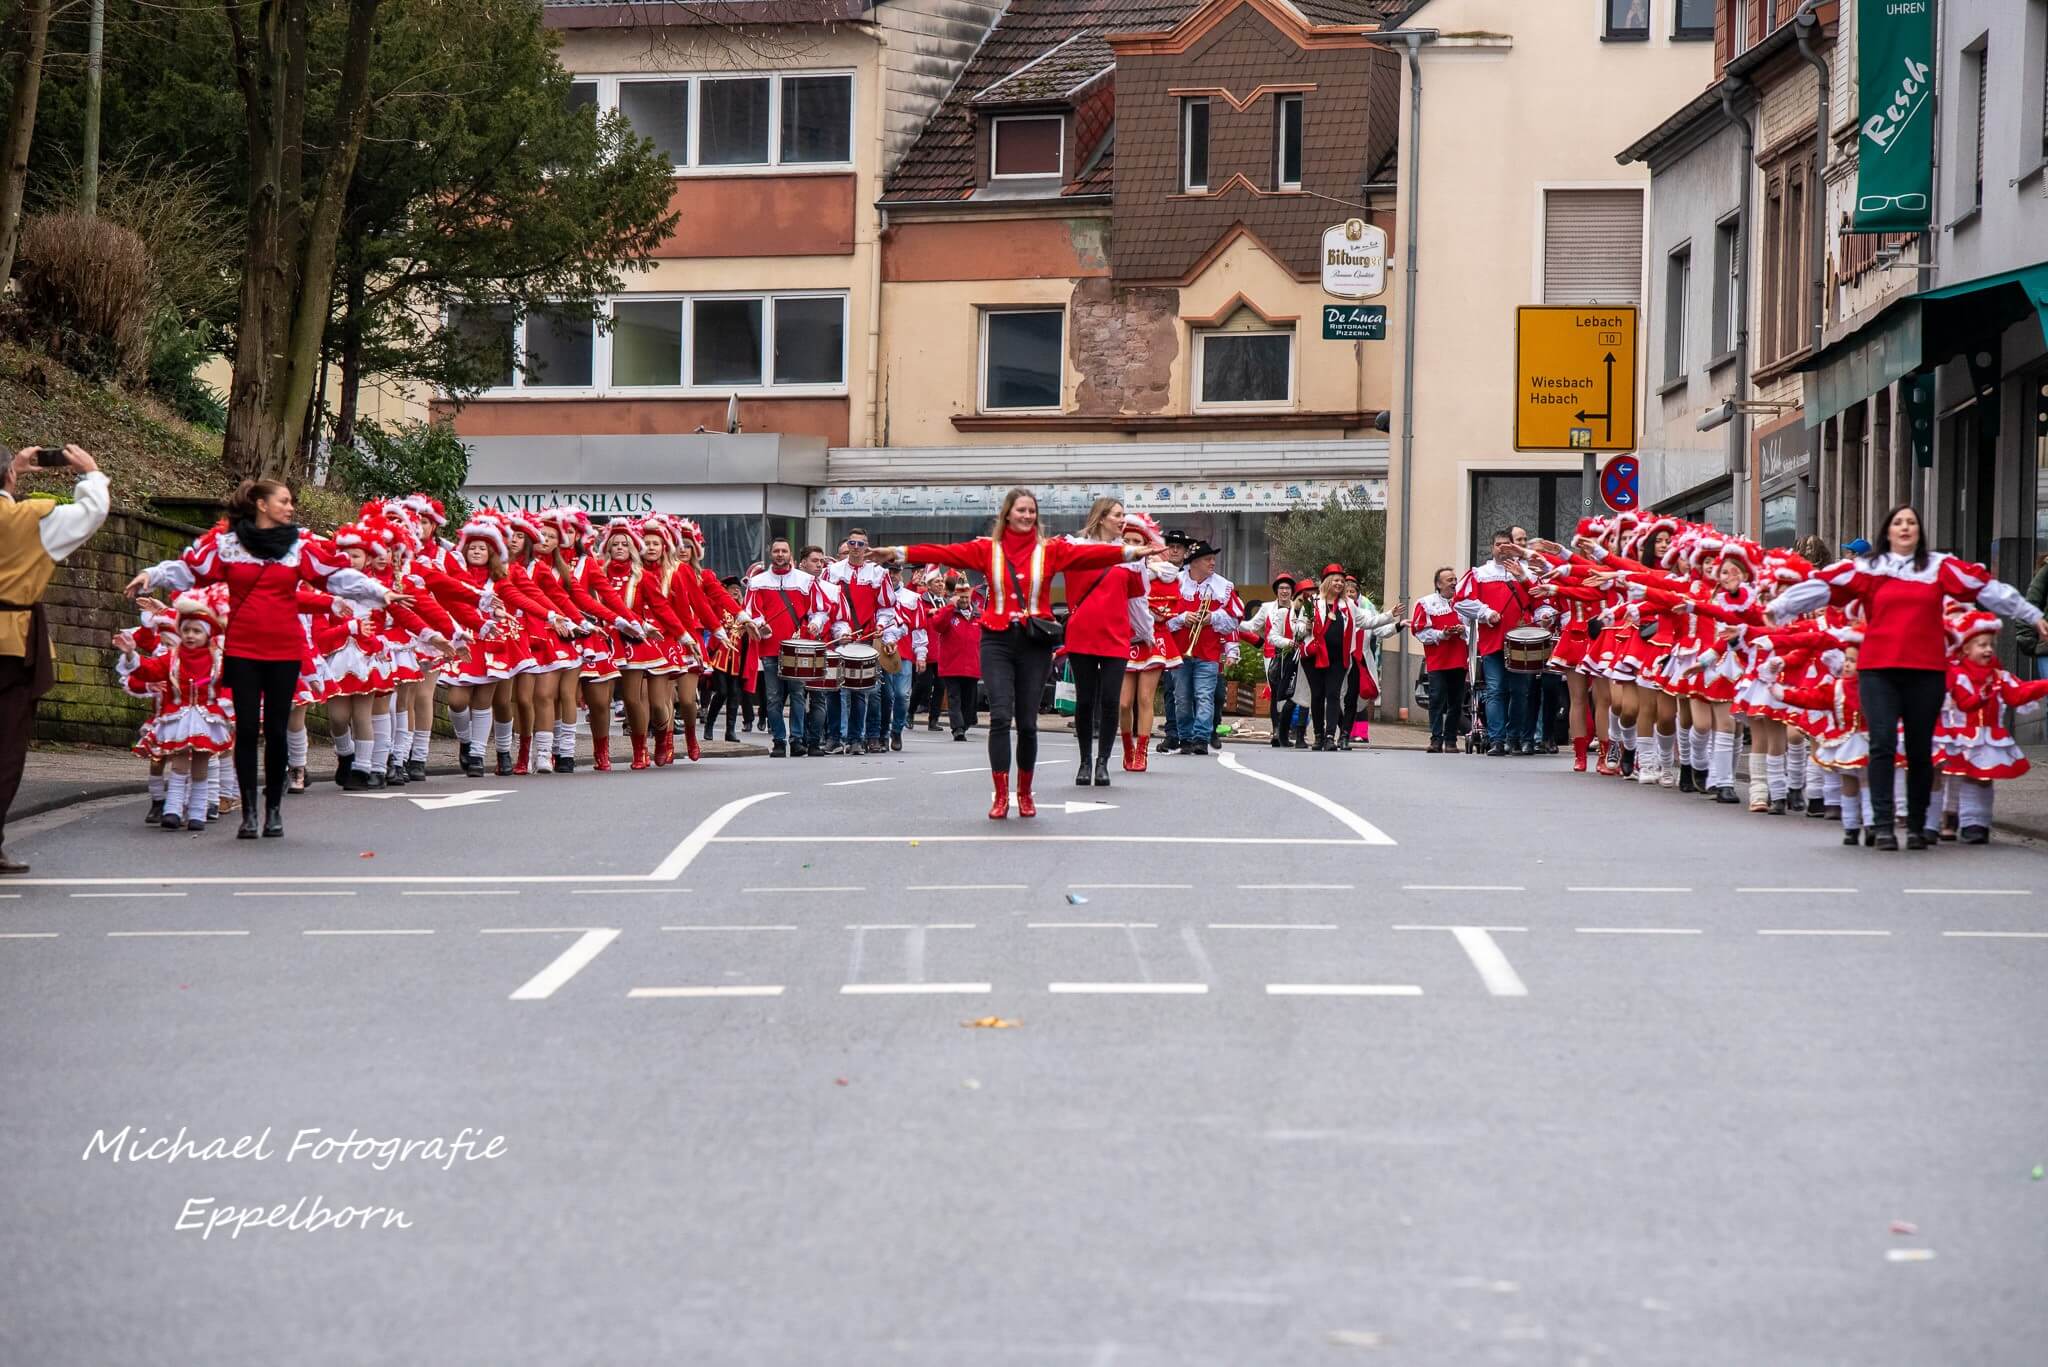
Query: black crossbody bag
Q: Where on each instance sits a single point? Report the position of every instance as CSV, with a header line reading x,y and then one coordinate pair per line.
x,y
1038,631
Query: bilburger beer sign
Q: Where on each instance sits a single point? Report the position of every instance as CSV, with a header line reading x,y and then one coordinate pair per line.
x,y
1354,260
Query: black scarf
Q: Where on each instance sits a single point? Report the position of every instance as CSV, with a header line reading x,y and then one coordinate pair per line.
x,y
266,543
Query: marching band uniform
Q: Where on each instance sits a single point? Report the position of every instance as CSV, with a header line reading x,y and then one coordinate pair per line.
x,y
776,610
1438,624
1201,643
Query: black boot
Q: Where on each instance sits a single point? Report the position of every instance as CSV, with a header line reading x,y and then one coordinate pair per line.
x,y
156,812
1085,776
1102,771
273,820
1795,800
1685,783
248,828
731,738
416,770
1725,795
504,764
344,765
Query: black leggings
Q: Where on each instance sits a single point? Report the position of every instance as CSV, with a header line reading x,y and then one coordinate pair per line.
x,y
1280,684
1889,697
962,707
1325,698
1014,671
1098,688
1446,704
262,691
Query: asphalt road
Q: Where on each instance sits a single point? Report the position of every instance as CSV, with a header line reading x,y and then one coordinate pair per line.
x,y
1420,1060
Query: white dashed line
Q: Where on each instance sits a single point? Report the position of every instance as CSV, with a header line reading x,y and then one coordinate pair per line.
x,y
1462,887
800,890
977,769
1494,930
625,892
1269,925
1909,1255
912,989
1365,831
1824,932
366,932
1969,892
1617,889
851,782
291,894
1634,930
911,925
755,990
1833,892
1294,887
534,930
1136,989
1131,887
143,934
28,934
463,892
967,887
1091,925
104,895
1342,990
1494,969
1996,934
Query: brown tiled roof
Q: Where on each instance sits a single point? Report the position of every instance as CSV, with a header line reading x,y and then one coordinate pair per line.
x,y
1354,13
1056,75
940,164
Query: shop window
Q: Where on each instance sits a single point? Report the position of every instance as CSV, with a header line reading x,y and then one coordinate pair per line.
x,y
1236,369
1026,146
1547,504
1020,359
1781,520
1194,146
1628,20
1287,137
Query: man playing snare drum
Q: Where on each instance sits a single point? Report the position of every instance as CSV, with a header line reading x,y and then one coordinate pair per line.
x,y
1502,592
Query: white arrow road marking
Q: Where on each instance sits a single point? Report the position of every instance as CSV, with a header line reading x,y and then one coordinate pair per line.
x,y
1083,807
1363,829
567,965
671,868
475,797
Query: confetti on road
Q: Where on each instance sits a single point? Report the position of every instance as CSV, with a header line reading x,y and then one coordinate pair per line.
x,y
1357,1338
989,1023
367,854
1075,899
2037,1172
1904,1227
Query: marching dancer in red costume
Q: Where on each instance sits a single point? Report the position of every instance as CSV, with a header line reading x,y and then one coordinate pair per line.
x,y
190,726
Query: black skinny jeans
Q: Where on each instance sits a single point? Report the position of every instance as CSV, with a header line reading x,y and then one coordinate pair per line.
x,y
1446,704
1098,688
962,707
262,691
1014,671
1325,698
1889,697
1280,684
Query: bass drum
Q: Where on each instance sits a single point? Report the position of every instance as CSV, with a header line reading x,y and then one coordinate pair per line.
x,y
1526,650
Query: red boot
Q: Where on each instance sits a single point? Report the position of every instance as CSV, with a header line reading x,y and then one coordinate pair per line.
x,y
1579,747
1144,759
1606,768
1000,808
1025,806
1130,753
665,747
640,759
520,765
601,753
690,746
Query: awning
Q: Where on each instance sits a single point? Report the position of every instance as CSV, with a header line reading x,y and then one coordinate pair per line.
x,y
1922,330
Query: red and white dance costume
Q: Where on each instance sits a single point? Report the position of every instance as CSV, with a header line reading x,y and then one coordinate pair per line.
x,y
191,724
640,640
1841,746
1975,749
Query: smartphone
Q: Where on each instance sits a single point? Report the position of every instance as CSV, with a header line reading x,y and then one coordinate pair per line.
x,y
51,457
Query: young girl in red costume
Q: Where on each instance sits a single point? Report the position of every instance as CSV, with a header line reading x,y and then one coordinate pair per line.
x,y
1980,750
499,649
698,595
191,726
638,645
680,653
550,643
1842,748
555,572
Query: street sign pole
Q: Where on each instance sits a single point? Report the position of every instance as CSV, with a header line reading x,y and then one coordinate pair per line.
x,y
1589,485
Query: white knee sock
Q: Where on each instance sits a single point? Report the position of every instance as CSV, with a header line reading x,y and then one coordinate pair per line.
x,y
380,741
1702,747
1795,763
1667,751
401,736
1628,739
1852,813
1774,777
175,791
501,736
1951,793
1722,768
1830,788
295,748
344,743
419,744
458,720
1863,801
1684,740
1975,801
565,739
220,776
158,786
543,750
195,802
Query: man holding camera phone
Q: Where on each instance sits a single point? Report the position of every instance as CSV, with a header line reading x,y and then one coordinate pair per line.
x,y
35,534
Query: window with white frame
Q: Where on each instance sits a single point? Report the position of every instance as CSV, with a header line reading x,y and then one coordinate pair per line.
x,y
793,343
733,122
1677,290
1026,145
1242,368
1287,112
1020,359
1194,146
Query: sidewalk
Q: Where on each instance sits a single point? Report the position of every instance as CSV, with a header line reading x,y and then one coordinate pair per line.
x,y
61,775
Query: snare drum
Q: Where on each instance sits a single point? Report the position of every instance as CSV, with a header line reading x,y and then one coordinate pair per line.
x,y
859,666
804,662
1526,650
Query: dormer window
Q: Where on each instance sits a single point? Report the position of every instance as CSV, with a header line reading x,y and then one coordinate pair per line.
x,y
1026,145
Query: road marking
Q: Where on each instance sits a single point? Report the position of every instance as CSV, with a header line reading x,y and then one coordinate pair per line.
x,y
1909,1255
325,880
1131,887
671,868
911,925
1462,887
366,932
141,934
1634,930
1969,892
911,989
1196,953
457,892
625,892
1615,889
814,888
975,769
567,965
534,930
1838,892
1140,989
126,894
1494,969
1996,934
1366,832
1342,990
850,782
10,897
28,934
1823,932
1495,930
967,887
289,894
1269,925
728,927
751,990
1021,839
1294,887
1091,925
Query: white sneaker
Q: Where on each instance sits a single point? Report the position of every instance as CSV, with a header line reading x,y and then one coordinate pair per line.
x,y
1668,778
1646,772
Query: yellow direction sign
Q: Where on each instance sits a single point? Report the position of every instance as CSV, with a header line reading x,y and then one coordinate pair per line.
x,y
1575,378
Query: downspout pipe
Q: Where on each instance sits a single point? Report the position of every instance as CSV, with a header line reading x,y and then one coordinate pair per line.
x,y
1412,172
1738,422
1806,27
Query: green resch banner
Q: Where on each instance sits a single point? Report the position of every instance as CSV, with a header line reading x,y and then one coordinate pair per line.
x,y
1895,82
